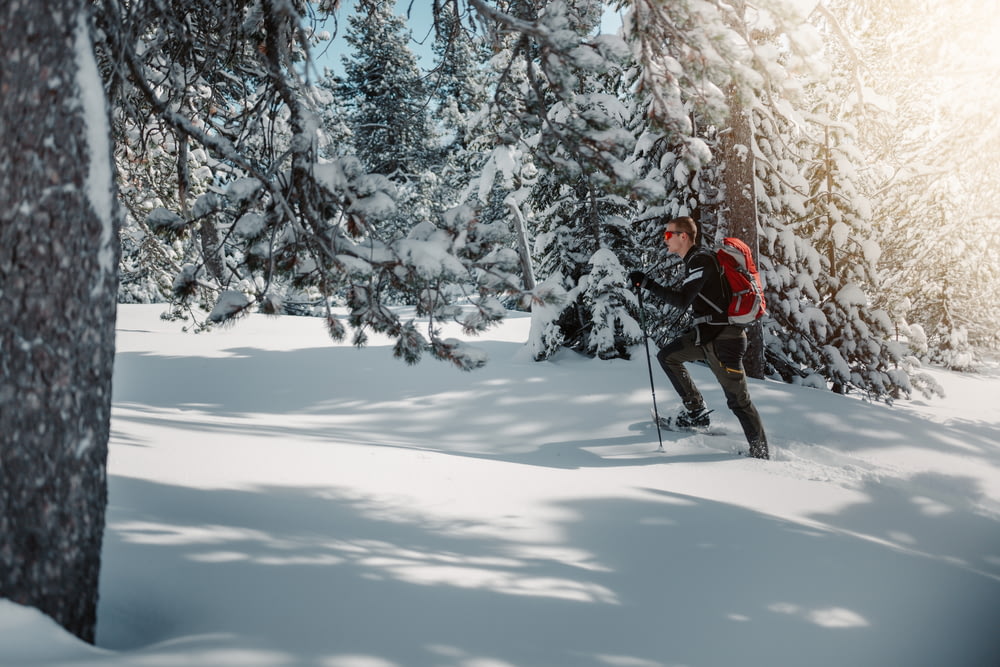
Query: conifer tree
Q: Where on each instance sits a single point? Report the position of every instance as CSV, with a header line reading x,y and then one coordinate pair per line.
x,y
557,91
388,106
283,213
810,208
822,258
930,207
820,248
458,90
385,94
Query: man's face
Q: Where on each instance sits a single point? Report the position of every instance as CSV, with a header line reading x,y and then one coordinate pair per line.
x,y
674,239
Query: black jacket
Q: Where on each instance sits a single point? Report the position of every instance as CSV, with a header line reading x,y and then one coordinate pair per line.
x,y
703,278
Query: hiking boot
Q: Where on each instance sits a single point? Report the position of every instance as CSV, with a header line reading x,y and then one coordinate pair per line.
x,y
758,450
693,418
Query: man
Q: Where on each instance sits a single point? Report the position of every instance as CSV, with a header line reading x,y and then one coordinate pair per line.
x,y
712,339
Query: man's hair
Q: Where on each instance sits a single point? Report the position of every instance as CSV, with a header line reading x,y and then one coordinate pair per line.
x,y
688,225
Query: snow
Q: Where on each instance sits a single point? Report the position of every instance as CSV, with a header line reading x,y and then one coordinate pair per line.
x,y
100,189
162,217
279,499
377,204
852,295
504,159
229,303
250,225
206,204
243,189
429,252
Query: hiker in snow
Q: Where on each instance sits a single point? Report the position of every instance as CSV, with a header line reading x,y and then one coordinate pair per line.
x,y
712,339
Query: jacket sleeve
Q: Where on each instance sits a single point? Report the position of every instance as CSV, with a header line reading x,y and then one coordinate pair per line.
x,y
693,283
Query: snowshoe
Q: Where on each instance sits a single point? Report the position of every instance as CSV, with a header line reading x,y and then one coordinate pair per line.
x,y
700,425
693,418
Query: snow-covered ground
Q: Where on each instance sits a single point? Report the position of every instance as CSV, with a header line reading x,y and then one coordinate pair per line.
x,y
277,499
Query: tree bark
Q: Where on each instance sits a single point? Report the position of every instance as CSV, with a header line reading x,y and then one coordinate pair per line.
x,y
739,209
523,251
58,287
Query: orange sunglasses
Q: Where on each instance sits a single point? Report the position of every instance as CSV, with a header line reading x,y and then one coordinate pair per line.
x,y
667,235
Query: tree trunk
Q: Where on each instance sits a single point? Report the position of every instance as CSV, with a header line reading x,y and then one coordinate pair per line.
x,y
739,210
523,251
58,288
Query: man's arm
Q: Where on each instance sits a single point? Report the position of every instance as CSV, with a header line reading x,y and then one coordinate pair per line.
x,y
693,283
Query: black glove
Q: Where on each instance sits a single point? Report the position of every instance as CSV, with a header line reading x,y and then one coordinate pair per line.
x,y
637,278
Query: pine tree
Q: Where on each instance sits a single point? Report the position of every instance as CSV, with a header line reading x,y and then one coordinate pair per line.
x,y
285,212
387,102
699,89
827,256
337,137
920,55
458,91
557,101
820,248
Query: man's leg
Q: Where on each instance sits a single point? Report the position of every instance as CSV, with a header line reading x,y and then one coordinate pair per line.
x,y
725,357
672,358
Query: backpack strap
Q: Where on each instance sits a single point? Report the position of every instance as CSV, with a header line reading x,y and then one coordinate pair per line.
x,y
714,306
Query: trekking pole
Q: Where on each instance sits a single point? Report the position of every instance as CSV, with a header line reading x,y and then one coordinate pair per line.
x,y
649,365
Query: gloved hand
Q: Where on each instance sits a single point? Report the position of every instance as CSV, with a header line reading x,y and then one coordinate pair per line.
x,y
637,278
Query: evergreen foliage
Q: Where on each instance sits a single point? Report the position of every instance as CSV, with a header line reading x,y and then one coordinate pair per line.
x,y
385,95
818,250
572,148
932,216
279,211
557,101
386,98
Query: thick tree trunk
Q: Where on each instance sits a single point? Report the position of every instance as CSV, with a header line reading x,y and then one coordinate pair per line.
x,y
58,286
738,214
739,211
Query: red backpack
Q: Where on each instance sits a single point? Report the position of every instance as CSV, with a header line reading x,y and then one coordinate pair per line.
x,y
742,280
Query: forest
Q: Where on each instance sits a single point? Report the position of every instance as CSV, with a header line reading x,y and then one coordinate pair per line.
x,y
529,167
534,162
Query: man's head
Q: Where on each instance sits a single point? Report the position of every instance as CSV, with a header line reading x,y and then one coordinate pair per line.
x,y
681,235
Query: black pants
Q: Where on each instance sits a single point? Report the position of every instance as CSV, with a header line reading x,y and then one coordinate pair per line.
x,y
725,357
